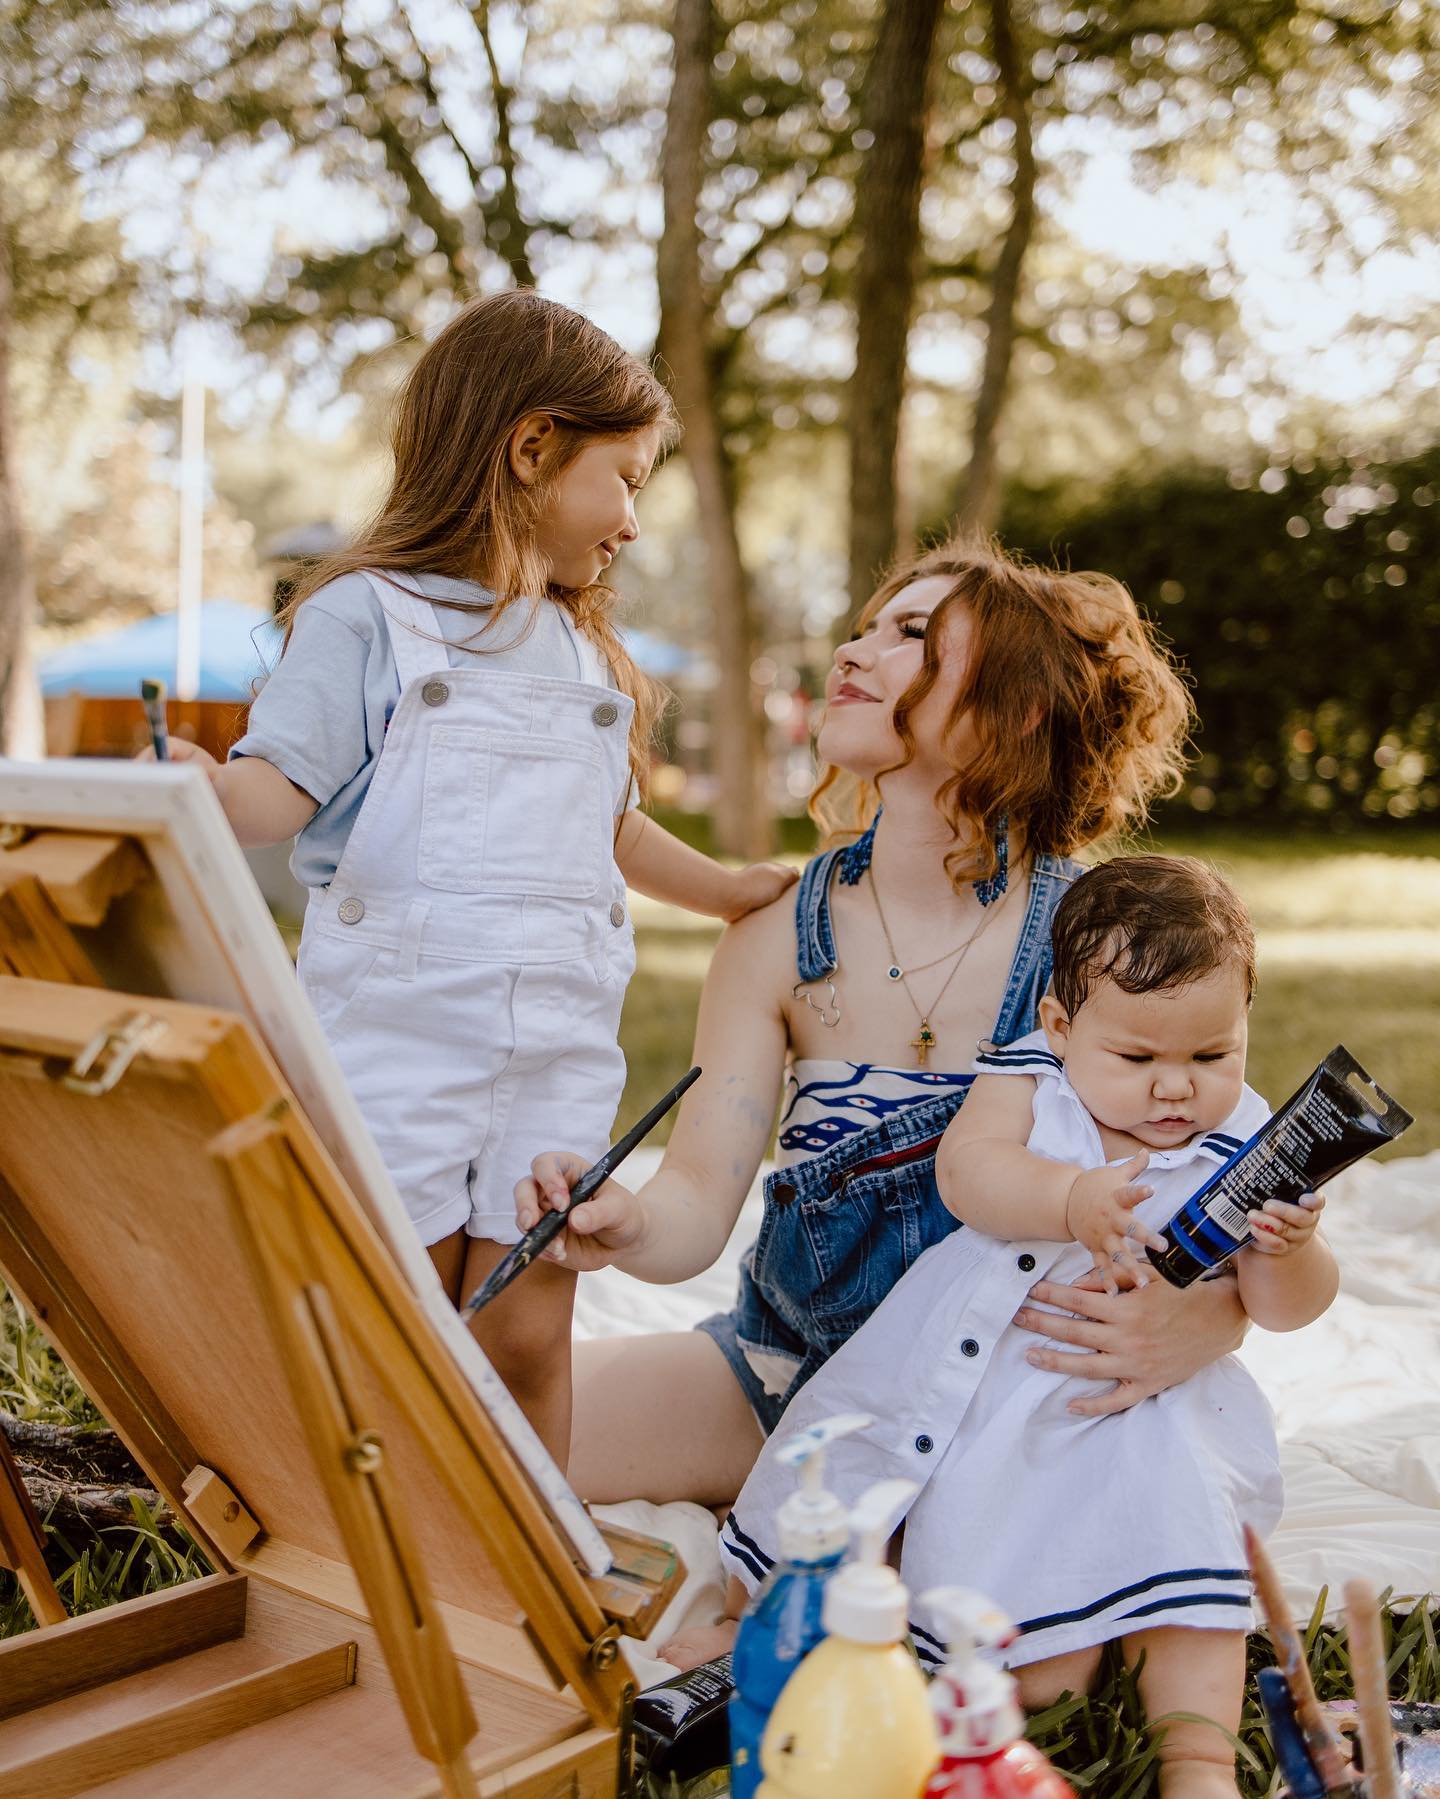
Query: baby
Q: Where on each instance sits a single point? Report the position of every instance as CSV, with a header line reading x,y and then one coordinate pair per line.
x,y
1073,1147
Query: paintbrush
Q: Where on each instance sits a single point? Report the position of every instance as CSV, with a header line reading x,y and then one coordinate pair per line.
x,y
1372,1698
152,697
538,1239
1320,1741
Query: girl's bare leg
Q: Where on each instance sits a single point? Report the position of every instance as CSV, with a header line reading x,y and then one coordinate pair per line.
x,y
448,1257
525,1333
659,1418
1201,1671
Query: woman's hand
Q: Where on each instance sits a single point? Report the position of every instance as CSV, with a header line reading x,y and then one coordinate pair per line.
x,y
1144,1341
603,1227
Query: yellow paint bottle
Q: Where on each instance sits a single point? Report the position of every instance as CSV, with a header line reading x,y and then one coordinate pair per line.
x,y
855,1717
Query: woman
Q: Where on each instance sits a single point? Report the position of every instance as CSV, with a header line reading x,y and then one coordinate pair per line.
x,y
1006,716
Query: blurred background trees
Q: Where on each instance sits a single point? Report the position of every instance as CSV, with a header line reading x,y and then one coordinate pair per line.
x,y
1023,263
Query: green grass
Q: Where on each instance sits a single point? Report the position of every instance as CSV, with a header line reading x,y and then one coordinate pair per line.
x,y
1349,933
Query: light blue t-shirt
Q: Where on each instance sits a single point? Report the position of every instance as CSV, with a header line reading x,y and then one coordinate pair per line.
x,y
321,716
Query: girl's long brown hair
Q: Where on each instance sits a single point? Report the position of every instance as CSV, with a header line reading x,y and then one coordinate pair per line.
x,y
1080,717
454,506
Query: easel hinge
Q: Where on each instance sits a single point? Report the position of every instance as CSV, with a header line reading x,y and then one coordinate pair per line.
x,y
605,1650
110,1052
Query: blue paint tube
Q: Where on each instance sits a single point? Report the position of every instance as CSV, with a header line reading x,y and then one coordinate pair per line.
x,y
1291,1756
1338,1116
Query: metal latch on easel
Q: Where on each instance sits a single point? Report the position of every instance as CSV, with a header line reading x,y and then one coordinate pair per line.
x,y
110,1052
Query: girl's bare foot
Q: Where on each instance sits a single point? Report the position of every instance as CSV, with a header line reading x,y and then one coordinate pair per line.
x,y
698,1643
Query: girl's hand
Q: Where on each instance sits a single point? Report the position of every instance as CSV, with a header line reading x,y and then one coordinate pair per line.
x,y
756,886
182,750
1144,1341
1279,1229
603,1227
1099,1212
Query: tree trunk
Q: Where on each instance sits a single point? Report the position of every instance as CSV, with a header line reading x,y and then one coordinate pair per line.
x,y
742,819
977,502
893,108
22,718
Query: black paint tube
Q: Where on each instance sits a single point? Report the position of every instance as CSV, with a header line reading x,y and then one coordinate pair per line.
x,y
682,1726
1338,1116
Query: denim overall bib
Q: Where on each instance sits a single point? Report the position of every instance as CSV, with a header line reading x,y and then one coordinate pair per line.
x,y
841,1228
469,958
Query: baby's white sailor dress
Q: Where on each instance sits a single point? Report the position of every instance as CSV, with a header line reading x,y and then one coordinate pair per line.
x,y
1080,1529
469,958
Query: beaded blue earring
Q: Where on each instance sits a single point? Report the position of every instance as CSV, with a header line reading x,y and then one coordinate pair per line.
x,y
993,888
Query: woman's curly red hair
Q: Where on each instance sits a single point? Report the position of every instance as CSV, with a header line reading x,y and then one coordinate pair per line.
x,y
1080,715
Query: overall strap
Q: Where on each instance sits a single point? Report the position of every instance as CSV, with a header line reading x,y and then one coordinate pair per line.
x,y
416,639
1050,878
594,669
814,933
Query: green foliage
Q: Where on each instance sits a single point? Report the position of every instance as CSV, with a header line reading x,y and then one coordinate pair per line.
x,y
1306,605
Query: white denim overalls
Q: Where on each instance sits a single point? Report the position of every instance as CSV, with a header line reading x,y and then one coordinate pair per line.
x,y
469,959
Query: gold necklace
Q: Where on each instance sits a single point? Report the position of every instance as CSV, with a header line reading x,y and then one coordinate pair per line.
x,y
925,1040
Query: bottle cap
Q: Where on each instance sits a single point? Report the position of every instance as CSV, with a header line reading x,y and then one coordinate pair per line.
x,y
973,1700
866,1601
813,1522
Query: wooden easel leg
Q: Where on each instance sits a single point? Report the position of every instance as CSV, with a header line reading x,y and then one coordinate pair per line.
x,y
22,1543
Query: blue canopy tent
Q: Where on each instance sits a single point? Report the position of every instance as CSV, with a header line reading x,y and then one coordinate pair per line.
x,y
238,644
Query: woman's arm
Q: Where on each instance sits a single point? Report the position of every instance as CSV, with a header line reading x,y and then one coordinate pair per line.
x,y
1144,1341
678,1223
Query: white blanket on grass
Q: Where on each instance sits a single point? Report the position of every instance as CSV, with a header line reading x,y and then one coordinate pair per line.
x,y
1355,1398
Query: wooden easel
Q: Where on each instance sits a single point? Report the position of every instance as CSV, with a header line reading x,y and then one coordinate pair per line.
x,y
397,1609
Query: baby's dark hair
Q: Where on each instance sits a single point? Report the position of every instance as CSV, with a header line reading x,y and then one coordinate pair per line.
x,y
1149,923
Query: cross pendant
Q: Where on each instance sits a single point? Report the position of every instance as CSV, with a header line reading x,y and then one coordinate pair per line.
x,y
925,1042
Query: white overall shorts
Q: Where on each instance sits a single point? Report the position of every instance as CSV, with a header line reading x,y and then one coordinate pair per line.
x,y
469,959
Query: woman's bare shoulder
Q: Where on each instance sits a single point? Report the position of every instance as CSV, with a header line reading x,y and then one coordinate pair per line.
x,y
760,947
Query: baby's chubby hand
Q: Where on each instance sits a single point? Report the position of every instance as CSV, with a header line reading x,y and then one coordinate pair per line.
x,y
755,886
602,1228
1279,1229
1099,1212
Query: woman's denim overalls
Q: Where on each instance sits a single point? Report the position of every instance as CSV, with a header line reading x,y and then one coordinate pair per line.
x,y
841,1228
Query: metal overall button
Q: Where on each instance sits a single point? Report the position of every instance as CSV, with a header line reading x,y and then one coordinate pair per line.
x,y
605,713
782,1193
1025,1263
617,915
350,911
435,693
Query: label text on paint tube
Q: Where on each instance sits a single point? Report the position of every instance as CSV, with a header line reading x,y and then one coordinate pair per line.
x,y
1338,1116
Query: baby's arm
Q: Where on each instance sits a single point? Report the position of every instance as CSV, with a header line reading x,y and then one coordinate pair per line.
x,y
1288,1275
663,868
992,1182
261,804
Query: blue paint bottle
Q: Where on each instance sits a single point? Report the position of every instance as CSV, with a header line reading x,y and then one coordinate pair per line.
x,y
782,1622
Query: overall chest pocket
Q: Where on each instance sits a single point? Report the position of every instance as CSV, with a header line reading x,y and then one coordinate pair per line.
x,y
504,813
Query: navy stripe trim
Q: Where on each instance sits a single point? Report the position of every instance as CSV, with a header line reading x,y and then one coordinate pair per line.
x,y
746,1542
744,1557
1170,1605
1012,1054
1131,1592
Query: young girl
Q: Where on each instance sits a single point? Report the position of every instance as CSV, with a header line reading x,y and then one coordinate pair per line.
x,y
1087,1529
460,760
